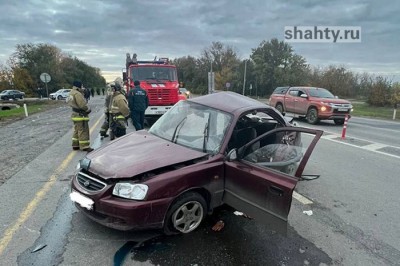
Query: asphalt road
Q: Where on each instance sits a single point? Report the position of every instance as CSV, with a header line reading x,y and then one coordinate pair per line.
x,y
354,204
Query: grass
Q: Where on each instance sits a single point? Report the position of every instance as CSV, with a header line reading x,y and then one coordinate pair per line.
x,y
364,109
33,107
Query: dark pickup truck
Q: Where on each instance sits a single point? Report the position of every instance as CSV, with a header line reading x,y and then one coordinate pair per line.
x,y
313,103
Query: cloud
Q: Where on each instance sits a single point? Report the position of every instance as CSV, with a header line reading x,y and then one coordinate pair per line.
x,y
102,32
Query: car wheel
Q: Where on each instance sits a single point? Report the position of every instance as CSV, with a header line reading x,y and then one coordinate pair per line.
x,y
338,121
279,107
312,116
5,98
185,214
59,97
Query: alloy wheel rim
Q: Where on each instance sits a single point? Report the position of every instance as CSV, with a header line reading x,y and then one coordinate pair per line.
x,y
188,217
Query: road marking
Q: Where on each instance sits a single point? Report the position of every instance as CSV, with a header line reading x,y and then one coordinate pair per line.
x,y
26,213
370,147
301,198
374,146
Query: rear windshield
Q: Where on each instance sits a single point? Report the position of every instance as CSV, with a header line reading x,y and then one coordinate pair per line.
x,y
280,90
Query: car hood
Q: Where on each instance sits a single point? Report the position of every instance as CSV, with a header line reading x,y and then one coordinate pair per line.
x,y
137,153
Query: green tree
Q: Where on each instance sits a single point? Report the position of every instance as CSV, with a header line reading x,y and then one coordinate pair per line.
x,y
379,93
30,60
276,64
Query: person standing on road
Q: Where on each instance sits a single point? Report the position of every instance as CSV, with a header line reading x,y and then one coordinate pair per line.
x,y
86,94
138,103
107,107
92,92
103,89
119,112
80,118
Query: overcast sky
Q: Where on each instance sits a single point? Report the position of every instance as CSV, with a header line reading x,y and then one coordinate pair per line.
x,y
102,32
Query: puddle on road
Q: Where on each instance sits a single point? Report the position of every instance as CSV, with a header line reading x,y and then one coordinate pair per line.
x,y
140,251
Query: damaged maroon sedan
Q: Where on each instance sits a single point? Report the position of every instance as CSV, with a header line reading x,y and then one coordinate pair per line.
x,y
222,148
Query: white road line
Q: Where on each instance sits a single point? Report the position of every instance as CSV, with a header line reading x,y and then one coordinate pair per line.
x,y
332,136
374,146
301,198
366,147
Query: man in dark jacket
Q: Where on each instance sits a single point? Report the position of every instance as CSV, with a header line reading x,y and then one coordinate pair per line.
x,y
138,103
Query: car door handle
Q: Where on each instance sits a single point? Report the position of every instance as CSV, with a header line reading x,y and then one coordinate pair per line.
x,y
276,191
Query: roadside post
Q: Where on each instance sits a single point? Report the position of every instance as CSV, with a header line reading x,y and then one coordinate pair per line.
x,y
344,127
394,111
26,110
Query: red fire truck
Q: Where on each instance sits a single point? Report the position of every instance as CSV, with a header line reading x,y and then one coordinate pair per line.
x,y
159,78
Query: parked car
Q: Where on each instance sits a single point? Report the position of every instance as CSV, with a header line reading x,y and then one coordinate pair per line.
x,y
313,103
216,149
60,94
12,95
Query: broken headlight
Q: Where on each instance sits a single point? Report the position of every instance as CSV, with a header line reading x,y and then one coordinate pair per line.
x,y
130,191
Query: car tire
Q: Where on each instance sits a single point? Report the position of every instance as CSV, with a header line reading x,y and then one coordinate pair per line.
x,y
5,98
59,97
312,116
185,214
279,107
339,121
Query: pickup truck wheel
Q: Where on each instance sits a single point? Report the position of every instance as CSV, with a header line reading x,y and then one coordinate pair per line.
x,y
338,121
312,116
279,107
185,214
59,97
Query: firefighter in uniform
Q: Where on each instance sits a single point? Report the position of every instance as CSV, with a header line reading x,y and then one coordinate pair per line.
x,y
138,103
80,118
107,106
119,112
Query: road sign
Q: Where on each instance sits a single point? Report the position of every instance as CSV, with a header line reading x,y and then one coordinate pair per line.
x,y
251,87
45,77
227,85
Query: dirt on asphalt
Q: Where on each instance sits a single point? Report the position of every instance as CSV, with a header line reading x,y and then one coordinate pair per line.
x,y
24,139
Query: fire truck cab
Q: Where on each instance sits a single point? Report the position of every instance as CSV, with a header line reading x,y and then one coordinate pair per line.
x,y
159,78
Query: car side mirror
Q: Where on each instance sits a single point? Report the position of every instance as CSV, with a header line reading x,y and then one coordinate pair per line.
x,y
336,97
232,155
303,95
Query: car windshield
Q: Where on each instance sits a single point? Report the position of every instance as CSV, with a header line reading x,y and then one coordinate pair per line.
x,y
321,93
158,73
194,126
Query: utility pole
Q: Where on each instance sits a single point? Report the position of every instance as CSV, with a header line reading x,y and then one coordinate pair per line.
x,y
244,77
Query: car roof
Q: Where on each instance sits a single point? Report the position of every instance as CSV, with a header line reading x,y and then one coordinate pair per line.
x,y
230,102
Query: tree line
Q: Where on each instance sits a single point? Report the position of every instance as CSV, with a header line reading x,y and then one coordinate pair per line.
x,y
23,69
273,64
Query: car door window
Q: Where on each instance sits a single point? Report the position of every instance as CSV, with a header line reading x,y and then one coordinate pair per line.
x,y
281,151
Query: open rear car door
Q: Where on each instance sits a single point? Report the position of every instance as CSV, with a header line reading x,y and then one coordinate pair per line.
x,y
260,176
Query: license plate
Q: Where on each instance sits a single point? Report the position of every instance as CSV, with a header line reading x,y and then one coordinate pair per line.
x,y
343,109
161,112
83,201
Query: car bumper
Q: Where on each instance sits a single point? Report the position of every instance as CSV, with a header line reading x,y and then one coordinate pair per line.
x,y
123,214
333,116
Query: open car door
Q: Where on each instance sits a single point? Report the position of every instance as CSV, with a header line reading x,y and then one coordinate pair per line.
x,y
260,176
